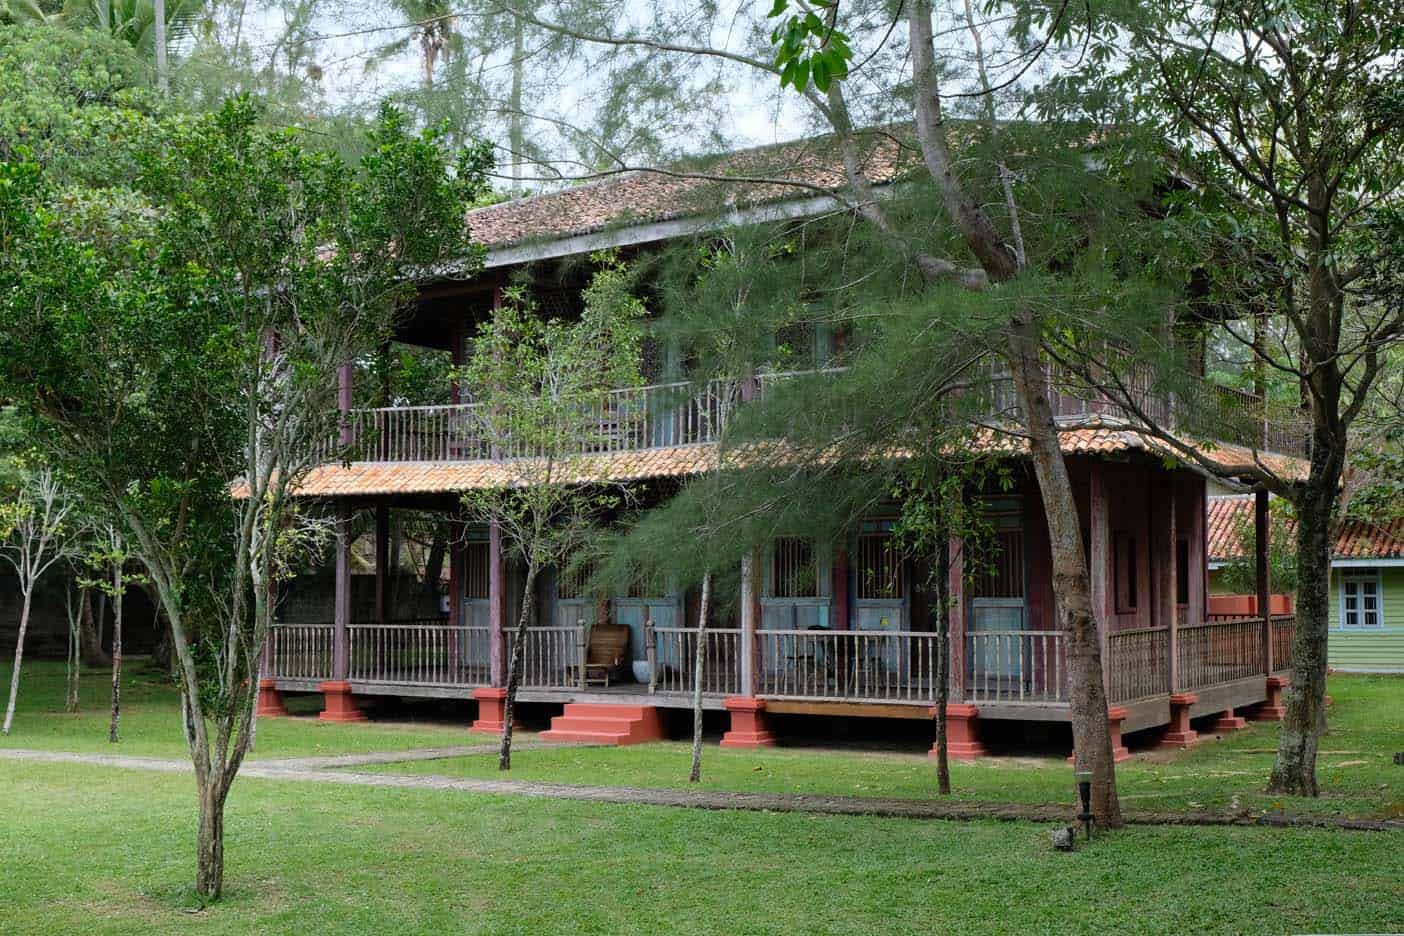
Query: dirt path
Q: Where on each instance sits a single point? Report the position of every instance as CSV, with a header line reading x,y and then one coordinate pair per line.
x,y
317,770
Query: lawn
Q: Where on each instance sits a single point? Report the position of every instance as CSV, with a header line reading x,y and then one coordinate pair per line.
x,y
103,850
108,851
1356,770
150,723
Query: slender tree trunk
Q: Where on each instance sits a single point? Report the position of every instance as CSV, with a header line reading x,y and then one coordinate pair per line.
x,y
698,671
515,135
163,74
91,644
75,649
943,659
116,653
209,844
1071,583
1294,770
19,658
514,669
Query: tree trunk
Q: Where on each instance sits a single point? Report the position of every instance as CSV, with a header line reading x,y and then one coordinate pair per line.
x,y
514,669
698,667
1294,771
209,845
116,653
516,136
19,658
163,75
1071,584
75,649
943,658
93,653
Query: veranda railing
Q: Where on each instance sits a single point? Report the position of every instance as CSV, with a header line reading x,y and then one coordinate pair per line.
x,y
300,651
424,652
1137,664
1284,632
552,657
1016,666
672,654
1219,652
857,665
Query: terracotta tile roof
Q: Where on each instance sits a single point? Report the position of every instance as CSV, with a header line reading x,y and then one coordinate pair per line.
x,y
1356,539
685,190
361,479
379,478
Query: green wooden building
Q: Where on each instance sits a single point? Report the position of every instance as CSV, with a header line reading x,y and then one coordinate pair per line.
x,y
1367,584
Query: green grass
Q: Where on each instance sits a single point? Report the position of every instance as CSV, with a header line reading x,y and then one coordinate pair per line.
x,y
102,850
95,850
150,722
1367,726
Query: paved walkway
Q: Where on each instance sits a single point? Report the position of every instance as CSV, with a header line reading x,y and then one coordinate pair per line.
x,y
297,770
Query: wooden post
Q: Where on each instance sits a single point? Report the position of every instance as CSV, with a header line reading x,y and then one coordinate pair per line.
x,y
497,606
382,563
582,650
341,611
458,641
838,591
750,622
651,654
956,638
1261,546
1099,550
1166,557
345,377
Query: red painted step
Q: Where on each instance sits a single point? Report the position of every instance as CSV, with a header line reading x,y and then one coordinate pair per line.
x,y
601,723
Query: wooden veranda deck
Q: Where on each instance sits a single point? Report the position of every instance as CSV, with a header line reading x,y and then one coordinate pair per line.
x,y
1007,674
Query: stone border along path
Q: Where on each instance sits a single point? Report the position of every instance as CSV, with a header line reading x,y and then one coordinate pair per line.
x,y
296,770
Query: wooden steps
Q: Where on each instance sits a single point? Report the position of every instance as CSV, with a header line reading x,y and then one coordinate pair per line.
x,y
598,723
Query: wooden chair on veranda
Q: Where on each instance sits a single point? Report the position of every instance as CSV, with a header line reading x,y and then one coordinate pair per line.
x,y
607,654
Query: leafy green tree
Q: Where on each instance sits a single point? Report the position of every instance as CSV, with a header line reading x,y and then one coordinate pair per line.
x,y
1284,119
164,353
543,390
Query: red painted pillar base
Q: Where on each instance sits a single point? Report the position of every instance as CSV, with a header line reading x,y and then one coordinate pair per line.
x,y
339,705
1272,709
492,705
1179,734
1228,721
962,734
1115,716
270,700
748,728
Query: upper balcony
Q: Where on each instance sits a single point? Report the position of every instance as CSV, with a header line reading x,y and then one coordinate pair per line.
x,y
666,415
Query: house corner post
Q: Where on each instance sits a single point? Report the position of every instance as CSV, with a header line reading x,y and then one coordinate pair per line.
x,y
339,705
382,563
1099,564
750,623
497,608
1169,585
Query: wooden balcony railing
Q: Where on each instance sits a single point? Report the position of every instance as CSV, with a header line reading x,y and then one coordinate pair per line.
x,y
672,653
1016,666
682,413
